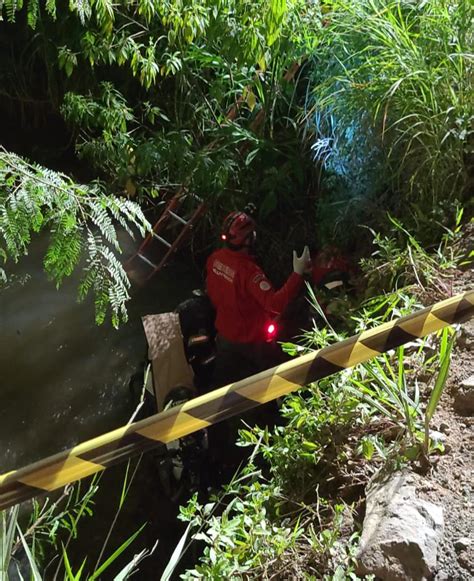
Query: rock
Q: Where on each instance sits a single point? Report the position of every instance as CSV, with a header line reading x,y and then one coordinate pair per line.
x,y
401,532
464,398
462,544
466,338
465,561
469,382
346,526
444,427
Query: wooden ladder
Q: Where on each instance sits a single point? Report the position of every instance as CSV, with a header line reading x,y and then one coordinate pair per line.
x,y
167,217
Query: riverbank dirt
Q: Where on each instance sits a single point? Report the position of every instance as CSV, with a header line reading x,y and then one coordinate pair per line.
x,y
450,481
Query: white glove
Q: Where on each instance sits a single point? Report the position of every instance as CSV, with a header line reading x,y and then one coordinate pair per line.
x,y
303,262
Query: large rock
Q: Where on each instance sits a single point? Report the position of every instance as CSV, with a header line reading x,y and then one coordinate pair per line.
x,y
401,532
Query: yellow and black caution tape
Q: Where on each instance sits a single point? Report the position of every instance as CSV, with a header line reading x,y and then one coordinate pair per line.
x,y
95,455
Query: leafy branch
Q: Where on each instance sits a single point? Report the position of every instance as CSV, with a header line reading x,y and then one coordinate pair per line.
x,y
82,223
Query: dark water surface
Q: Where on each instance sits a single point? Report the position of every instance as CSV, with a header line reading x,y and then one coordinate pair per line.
x,y
63,380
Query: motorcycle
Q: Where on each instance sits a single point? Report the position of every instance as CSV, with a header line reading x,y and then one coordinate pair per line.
x,y
181,355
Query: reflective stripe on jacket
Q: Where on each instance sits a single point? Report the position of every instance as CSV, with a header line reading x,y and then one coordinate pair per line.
x,y
243,297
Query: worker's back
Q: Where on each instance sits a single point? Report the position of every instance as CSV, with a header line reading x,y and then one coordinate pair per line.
x,y
239,317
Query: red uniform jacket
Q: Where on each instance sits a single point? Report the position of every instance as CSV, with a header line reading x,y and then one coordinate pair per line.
x,y
243,296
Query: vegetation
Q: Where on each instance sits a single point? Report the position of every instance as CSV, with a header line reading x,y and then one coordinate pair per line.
x,y
158,95
80,222
400,259
42,548
184,68
328,116
236,101
392,107
293,508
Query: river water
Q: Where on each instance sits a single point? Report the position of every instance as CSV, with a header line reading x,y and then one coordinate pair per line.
x,y
63,379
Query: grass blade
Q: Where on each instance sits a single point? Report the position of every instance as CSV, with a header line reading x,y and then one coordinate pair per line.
x,y
34,568
67,566
176,556
116,554
130,567
445,362
7,532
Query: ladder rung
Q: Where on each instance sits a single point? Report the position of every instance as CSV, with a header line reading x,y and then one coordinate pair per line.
x,y
176,217
161,239
145,259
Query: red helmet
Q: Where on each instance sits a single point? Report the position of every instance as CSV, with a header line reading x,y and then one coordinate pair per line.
x,y
238,228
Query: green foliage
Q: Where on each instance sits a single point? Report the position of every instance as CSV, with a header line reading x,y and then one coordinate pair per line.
x,y
35,574
445,349
53,526
47,523
106,564
385,386
309,446
382,308
106,122
9,8
147,89
182,134
287,512
235,545
81,222
398,74
247,534
400,260
245,30
8,520
389,383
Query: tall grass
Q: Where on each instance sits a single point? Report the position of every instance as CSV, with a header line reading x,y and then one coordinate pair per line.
x,y
405,66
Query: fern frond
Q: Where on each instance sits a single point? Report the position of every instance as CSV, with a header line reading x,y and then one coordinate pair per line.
x,y
33,198
11,7
63,253
127,212
101,219
51,8
32,13
3,274
105,275
14,228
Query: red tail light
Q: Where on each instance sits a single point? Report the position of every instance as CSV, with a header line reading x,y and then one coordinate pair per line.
x,y
271,331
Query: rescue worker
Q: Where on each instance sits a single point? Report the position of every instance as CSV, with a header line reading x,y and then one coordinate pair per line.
x,y
245,301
